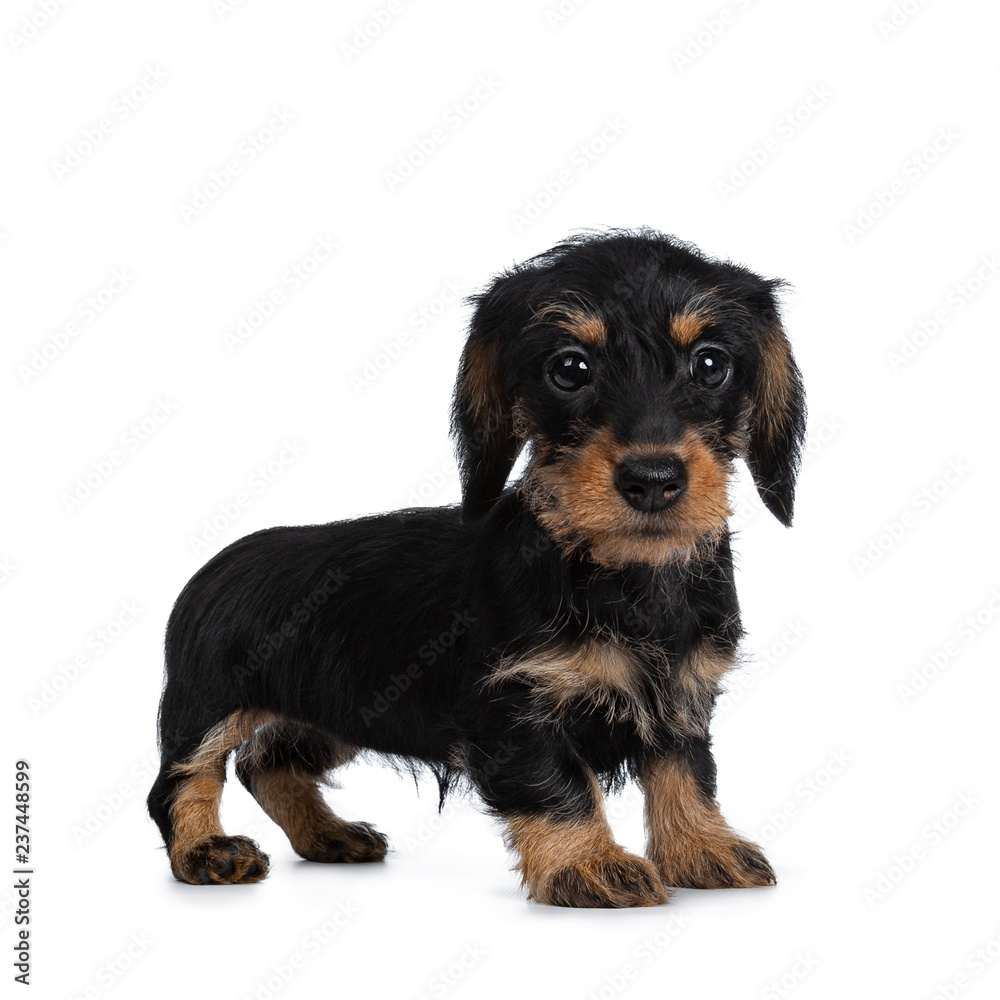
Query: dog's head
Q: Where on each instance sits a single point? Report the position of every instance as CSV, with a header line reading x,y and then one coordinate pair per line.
x,y
637,370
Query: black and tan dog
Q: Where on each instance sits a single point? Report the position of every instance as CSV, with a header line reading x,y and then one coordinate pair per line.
x,y
544,642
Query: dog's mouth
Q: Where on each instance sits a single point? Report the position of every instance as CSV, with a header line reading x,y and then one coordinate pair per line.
x,y
651,525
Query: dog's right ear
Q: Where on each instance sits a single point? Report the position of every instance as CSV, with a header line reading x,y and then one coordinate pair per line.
x,y
778,420
487,441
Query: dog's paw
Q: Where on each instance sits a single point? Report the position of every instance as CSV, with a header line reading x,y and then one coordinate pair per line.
x,y
730,864
220,860
349,843
611,879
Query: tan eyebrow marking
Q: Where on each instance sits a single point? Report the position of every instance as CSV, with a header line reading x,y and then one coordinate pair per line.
x,y
575,320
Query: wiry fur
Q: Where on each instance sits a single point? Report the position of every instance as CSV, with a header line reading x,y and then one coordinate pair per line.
x,y
545,640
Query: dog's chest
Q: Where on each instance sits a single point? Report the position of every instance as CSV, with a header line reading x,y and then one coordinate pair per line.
x,y
638,684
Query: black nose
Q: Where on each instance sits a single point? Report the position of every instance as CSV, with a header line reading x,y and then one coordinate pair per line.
x,y
651,484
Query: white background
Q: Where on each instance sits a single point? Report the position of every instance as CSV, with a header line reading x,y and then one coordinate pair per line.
x,y
877,803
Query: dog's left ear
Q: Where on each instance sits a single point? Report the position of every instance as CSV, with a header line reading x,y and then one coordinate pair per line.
x,y
778,416
487,439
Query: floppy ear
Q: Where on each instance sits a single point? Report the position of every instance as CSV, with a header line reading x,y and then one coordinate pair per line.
x,y
487,441
777,421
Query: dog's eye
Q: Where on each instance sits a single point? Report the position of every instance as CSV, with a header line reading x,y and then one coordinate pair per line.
x,y
709,367
570,372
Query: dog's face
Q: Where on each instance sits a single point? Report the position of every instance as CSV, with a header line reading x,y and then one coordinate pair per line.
x,y
637,370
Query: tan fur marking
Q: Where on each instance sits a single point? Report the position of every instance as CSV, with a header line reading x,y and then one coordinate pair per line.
x,y
576,862
698,312
687,327
210,757
576,500
480,387
597,669
293,800
545,844
574,320
570,671
260,741
696,683
689,839
705,666
194,811
774,390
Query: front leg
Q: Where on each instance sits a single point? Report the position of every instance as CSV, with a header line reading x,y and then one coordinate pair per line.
x,y
555,821
688,839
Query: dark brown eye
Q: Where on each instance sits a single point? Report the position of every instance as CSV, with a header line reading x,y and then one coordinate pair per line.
x,y
709,367
570,372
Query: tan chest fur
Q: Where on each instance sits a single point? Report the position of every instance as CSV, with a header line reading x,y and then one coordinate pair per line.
x,y
615,680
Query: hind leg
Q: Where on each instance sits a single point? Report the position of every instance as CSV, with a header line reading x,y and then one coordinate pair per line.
x,y
282,766
184,802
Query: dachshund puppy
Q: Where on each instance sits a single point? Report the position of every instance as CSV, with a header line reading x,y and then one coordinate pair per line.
x,y
543,642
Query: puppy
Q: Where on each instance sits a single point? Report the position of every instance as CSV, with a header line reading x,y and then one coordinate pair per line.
x,y
545,641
